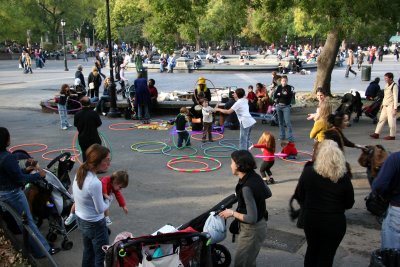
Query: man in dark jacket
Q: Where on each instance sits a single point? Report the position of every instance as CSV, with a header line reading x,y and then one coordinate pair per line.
x,y
79,75
87,121
283,98
373,89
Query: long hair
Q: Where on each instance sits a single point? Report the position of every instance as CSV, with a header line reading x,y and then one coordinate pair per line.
x,y
269,140
330,162
64,89
325,109
95,71
94,156
4,138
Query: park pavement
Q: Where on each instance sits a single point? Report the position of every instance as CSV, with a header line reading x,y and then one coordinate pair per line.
x,y
157,195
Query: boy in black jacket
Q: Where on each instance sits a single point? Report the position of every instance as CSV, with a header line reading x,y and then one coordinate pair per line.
x,y
180,123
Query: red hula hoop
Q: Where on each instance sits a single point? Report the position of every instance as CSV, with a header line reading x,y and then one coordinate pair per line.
x,y
11,149
57,150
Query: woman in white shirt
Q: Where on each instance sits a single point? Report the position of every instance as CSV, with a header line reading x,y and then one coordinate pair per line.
x,y
90,205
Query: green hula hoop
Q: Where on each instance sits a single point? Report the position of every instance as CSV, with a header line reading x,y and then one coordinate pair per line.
x,y
165,152
148,143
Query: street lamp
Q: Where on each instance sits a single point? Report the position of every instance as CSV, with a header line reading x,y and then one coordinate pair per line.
x,y
65,48
114,113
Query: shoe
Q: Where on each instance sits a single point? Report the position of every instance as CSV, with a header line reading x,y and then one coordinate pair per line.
x,y
69,125
108,221
104,113
53,251
70,219
271,180
64,128
374,135
389,137
265,180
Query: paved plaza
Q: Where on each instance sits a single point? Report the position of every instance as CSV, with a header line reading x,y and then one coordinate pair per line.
x,y
157,195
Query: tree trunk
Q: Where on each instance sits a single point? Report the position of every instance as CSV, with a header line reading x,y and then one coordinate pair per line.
x,y
198,40
326,62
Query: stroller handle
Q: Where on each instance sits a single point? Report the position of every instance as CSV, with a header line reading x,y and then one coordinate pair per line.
x,y
65,154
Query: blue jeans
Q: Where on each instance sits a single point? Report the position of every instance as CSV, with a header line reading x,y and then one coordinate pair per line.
x,y
94,235
284,118
101,105
390,233
244,139
183,136
17,200
143,112
62,111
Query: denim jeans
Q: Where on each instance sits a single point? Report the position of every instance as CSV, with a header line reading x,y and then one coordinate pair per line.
x,y
183,136
94,235
62,111
244,139
101,105
284,118
17,200
143,112
390,233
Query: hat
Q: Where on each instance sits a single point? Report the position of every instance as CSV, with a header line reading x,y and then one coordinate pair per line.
x,y
77,82
201,80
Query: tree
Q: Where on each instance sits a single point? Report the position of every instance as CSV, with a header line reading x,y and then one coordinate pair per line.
x,y
333,20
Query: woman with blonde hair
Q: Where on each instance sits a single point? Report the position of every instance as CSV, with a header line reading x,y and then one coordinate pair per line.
x,y
321,124
324,191
90,205
94,82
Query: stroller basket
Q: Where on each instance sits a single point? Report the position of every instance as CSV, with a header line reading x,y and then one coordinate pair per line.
x,y
187,248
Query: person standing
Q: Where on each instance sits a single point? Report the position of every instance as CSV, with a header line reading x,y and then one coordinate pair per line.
x,y
283,97
62,106
388,108
90,205
350,62
12,180
321,96
153,93
171,63
251,211
142,98
241,108
324,191
79,75
360,58
87,121
207,112
28,63
94,82
387,184
180,123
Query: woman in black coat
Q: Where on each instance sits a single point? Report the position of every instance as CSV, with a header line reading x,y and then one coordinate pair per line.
x,y
324,192
95,78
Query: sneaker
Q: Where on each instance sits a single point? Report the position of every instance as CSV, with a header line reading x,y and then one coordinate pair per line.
x,y
271,180
374,135
70,125
53,251
64,128
108,221
389,137
70,219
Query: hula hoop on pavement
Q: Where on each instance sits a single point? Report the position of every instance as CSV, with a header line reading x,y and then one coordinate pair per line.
x,y
44,147
78,148
130,128
61,150
172,161
221,149
206,166
220,136
299,161
47,105
169,148
134,146
276,155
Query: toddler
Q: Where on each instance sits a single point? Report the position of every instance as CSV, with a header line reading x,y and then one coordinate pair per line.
x,y
207,120
267,145
252,98
289,148
180,123
111,184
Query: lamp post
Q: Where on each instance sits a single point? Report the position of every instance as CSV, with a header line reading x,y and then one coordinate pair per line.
x,y
114,113
65,48
87,33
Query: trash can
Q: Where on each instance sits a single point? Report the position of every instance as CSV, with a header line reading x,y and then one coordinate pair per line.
x,y
385,258
366,73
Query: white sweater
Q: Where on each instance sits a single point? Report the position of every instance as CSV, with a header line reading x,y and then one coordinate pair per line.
x,y
89,202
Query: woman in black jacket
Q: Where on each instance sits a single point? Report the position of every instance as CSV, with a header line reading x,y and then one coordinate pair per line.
x,y
251,210
94,82
324,192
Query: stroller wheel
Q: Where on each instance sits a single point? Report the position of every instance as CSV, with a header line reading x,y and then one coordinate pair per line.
x,y
220,256
67,244
51,236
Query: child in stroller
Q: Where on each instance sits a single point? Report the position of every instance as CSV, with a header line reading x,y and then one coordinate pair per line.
x,y
49,198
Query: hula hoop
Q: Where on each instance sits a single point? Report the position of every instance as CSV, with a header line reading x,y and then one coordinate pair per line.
x,y
78,148
11,149
276,155
148,143
172,161
47,105
299,161
58,150
169,148
133,127
220,136
227,148
106,143
206,166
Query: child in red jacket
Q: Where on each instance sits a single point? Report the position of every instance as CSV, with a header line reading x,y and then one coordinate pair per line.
x,y
289,148
267,145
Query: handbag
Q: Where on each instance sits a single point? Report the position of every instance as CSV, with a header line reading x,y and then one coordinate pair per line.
x,y
376,204
91,86
234,228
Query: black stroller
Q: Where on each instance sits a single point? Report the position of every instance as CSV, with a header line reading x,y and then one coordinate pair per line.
x,y
351,103
49,198
129,94
372,110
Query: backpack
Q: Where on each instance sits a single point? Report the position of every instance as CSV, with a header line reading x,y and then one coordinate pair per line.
x,y
398,95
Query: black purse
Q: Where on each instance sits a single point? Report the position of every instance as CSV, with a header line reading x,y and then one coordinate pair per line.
x,y
296,213
376,204
234,228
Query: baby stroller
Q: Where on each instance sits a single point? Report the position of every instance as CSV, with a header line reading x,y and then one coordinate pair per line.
x,y
49,198
372,110
129,94
271,118
351,103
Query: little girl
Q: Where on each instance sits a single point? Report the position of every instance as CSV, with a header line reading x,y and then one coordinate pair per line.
x,y
267,145
62,106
